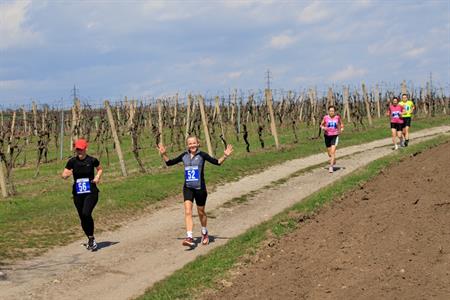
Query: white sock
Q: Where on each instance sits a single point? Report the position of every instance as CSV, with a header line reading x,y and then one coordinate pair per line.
x,y
204,230
189,234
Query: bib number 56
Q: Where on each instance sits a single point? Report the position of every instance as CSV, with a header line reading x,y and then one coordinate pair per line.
x,y
83,186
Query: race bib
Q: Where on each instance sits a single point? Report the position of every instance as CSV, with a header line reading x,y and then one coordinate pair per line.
x,y
191,173
332,125
407,107
396,114
83,186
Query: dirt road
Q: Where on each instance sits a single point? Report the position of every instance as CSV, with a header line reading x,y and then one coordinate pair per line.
x,y
374,243
145,251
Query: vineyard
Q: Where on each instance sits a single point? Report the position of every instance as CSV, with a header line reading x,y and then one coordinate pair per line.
x,y
267,129
123,135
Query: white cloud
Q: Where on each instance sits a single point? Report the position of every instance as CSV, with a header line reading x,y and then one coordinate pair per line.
x,y
165,11
238,4
201,62
309,80
11,84
13,32
393,46
92,24
146,87
361,4
234,75
349,72
282,41
415,52
314,12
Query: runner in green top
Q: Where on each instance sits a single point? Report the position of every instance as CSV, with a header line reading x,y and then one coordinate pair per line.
x,y
409,108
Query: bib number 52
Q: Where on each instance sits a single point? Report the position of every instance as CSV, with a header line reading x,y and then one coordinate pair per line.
x,y
191,173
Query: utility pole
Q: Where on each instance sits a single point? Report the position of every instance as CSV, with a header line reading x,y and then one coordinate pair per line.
x,y
74,93
268,79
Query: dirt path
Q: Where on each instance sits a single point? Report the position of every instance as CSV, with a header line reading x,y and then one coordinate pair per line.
x,y
374,243
134,257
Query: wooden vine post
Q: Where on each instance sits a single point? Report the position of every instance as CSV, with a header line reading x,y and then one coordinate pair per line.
x,y
423,100
330,98
34,119
346,105
273,127
219,117
160,122
116,138
188,115
205,124
25,125
404,88
312,106
366,101
377,101
175,111
3,181
233,106
11,137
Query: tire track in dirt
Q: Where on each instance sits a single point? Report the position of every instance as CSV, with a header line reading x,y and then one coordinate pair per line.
x,y
147,250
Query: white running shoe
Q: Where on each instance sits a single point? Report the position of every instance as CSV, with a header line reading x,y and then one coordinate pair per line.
x,y
331,169
91,245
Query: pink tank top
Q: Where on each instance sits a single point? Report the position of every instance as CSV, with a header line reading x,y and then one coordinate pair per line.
x,y
396,113
332,125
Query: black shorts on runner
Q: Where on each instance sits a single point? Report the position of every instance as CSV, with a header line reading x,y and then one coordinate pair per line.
x,y
406,122
199,195
331,140
397,126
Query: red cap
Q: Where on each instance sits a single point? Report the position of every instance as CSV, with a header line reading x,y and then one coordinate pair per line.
x,y
81,144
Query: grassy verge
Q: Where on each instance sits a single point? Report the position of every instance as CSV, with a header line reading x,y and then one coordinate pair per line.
x,y
207,270
42,215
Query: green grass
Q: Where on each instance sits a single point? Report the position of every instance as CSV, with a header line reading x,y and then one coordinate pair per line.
x,y
42,214
206,271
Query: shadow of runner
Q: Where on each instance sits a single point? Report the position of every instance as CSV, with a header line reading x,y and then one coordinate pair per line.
x,y
105,244
198,241
335,168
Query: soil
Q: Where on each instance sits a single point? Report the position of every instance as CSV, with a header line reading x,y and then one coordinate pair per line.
x,y
144,251
388,239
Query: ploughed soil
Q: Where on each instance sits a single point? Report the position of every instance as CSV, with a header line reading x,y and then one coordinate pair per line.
x,y
387,239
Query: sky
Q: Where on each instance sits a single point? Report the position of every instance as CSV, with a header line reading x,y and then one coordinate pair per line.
x,y
111,49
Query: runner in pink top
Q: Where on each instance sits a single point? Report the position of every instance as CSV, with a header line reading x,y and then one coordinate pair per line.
x,y
332,126
395,113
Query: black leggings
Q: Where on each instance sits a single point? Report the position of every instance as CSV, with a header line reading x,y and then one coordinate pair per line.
x,y
85,204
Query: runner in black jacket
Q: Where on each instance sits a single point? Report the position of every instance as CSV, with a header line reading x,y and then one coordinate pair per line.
x,y
194,184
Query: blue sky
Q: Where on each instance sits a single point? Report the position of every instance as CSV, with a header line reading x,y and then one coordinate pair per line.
x,y
111,49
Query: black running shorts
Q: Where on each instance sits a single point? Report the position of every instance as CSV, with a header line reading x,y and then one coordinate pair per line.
x,y
406,122
331,140
193,194
397,126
